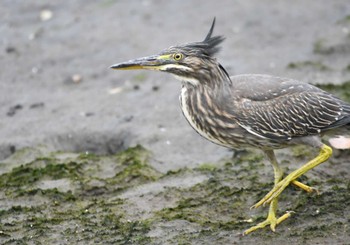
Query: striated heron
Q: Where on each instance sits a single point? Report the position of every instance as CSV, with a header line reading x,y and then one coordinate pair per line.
x,y
251,110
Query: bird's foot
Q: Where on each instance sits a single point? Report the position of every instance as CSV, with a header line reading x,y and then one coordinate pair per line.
x,y
270,220
274,193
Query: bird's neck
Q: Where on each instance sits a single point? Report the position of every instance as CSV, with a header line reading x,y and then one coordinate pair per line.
x,y
212,78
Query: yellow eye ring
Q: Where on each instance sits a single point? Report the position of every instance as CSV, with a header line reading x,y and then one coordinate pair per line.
x,y
178,56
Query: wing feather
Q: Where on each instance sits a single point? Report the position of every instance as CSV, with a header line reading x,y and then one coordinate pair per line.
x,y
288,109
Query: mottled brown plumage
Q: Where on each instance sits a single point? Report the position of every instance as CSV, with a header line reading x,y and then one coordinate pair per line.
x,y
251,110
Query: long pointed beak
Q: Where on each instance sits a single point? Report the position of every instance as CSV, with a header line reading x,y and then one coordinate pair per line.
x,y
153,62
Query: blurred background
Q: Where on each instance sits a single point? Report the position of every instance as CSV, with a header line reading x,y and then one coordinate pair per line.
x,y
57,89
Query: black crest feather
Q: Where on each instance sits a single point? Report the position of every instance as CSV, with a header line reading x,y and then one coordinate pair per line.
x,y
208,47
213,42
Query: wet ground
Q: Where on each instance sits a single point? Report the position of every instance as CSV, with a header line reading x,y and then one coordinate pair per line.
x,y
94,156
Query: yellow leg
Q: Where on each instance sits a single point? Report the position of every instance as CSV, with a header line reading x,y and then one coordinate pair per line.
x,y
325,153
271,219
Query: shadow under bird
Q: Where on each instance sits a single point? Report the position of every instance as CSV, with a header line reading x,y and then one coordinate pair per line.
x,y
250,110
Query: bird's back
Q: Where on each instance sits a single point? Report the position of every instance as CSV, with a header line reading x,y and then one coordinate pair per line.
x,y
282,108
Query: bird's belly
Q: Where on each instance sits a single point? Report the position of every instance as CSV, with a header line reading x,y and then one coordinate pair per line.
x,y
200,129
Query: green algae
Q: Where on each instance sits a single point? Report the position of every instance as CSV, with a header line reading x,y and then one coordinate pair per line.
x,y
319,47
176,172
218,204
134,168
92,210
25,175
80,212
207,167
347,68
344,20
211,205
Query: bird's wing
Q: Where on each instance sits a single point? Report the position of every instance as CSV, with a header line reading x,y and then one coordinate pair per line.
x,y
281,108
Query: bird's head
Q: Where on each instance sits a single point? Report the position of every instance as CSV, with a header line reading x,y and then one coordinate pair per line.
x,y
191,62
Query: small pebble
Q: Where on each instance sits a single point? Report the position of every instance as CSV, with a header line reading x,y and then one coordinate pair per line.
x,y
76,78
128,118
37,105
46,15
11,50
116,90
35,70
12,111
86,114
12,149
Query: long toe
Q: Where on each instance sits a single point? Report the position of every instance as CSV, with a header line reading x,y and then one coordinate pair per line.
x,y
256,227
304,187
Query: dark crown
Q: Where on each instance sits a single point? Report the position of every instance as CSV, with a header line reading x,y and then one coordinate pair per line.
x,y
207,47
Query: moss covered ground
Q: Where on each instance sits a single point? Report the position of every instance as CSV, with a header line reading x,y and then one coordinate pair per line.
x,y
65,198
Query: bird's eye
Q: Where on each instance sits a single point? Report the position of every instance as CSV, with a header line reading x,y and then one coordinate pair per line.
x,y
178,56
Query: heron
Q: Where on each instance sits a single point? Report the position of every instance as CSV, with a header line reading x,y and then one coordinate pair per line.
x,y
250,111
